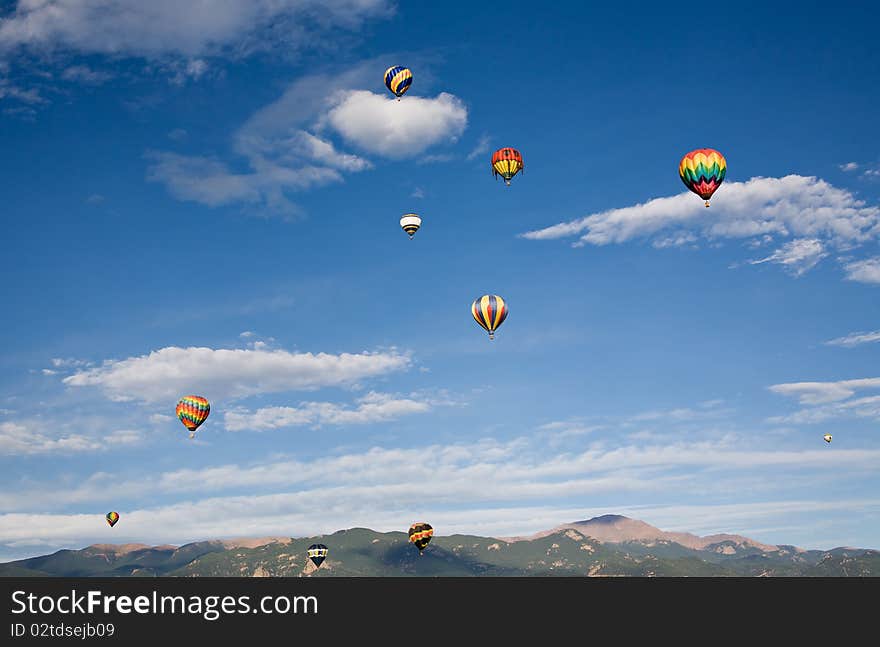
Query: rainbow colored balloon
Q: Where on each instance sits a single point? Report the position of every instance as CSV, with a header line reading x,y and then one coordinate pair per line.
x,y
703,171
193,410
398,79
112,518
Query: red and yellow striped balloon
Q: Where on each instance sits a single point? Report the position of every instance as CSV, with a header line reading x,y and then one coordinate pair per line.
x,y
506,162
489,311
193,410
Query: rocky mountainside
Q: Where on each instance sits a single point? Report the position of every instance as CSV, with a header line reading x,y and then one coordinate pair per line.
x,y
603,546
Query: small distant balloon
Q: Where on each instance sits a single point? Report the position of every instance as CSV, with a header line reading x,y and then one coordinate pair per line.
x,y
112,518
410,224
193,410
420,534
827,438
318,553
506,162
489,311
703,171
398,79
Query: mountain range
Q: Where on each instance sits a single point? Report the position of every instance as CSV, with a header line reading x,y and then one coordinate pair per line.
x,y
610,545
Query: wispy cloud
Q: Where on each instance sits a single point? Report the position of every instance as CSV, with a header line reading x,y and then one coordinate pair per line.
x,y
867,407
481,148
371,408
825,392
506,486
855,339
797,256
864,271
211,182
162,28
849,166
85,74
28,438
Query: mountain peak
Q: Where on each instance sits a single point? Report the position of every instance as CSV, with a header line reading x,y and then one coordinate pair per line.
x,y
605,518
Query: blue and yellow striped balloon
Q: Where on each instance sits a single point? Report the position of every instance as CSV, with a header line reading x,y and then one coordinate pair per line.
x,y
398,79
489,311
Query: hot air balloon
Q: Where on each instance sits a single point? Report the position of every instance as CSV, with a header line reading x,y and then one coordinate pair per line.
x,y
703,171
318,553
420,534
193,410
398,79
827,438
506,162
112,518
411,223
489,311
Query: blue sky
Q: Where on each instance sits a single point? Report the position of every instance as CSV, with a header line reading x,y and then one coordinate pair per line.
x,y
205,200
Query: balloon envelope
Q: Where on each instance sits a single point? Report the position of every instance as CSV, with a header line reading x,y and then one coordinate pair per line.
x,y
112,518
506,162
410,224
489,311
193,410
703,171
318,553
420,534
398,79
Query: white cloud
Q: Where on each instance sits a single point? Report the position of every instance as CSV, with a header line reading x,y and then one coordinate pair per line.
x,y
825,392
178,134
193,69
855,339
481,148
18,439
85,74
371,408
864,271
807,208
325,152
397,129
30,96
417,193
797,256
167,373
793,205
169,27
211,182
849,166
286,144
867,407
481,486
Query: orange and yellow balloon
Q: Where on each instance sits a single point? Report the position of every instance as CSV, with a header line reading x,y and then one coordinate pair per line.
x,y
703,171
112,518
